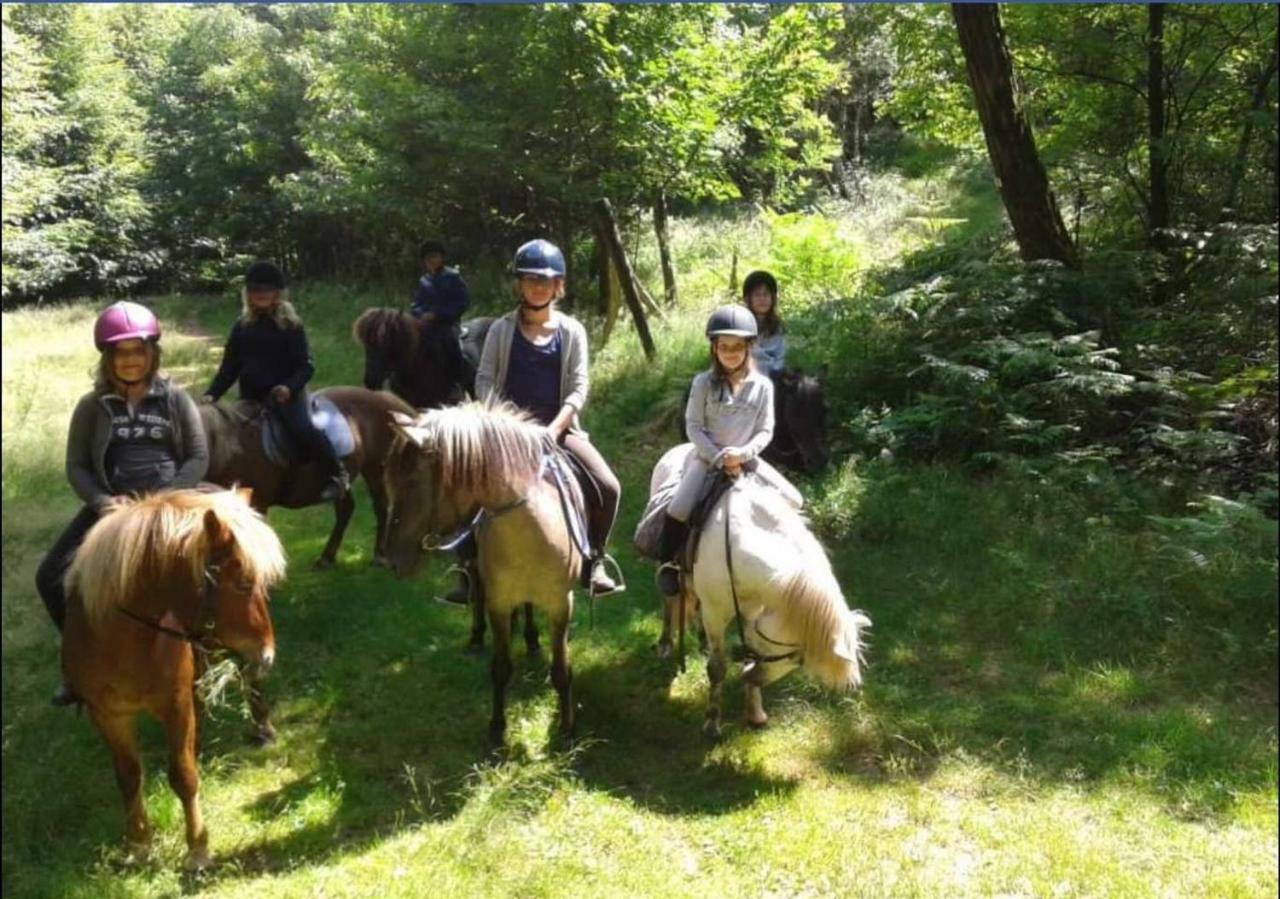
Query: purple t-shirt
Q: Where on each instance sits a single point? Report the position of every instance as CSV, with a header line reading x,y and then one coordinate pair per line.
x,y
533,377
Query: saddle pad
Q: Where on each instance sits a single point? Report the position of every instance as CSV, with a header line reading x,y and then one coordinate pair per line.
x,y
327,418
560,467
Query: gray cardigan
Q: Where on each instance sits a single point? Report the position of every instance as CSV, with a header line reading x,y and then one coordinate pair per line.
x,y
90,434
716,420
496,357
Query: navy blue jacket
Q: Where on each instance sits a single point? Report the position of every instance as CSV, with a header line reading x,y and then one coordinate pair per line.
x,y
444,293
262,355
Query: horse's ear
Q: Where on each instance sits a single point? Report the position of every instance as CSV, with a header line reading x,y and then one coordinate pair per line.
x,y
407,425
246,494
217,532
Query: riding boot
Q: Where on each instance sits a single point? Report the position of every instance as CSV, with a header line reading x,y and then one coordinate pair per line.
x,y
598,581
339,481
64,696
460,595
675,533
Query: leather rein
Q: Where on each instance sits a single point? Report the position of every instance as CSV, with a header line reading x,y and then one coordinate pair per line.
x,y
210,575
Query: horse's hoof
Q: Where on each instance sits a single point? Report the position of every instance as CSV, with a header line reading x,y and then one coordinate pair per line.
x,y
474,648
711,730
535,654
197,860
137,853
497,737
758,724
379,562
322,564
263,736
663,649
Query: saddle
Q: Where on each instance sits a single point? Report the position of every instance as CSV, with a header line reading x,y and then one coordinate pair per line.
x,y
281,447
714,487
562,470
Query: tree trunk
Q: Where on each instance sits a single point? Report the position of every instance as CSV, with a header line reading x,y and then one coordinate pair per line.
x,y
664,245
1246,133
610,289
1024,186
608,226
1158,202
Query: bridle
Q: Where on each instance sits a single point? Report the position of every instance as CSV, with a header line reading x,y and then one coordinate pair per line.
x,y
750,657
206,616
431,539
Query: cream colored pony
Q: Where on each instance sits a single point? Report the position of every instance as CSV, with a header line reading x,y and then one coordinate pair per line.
x,y
447,466
790,606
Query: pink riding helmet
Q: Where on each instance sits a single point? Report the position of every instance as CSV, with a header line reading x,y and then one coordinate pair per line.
x,y
125,321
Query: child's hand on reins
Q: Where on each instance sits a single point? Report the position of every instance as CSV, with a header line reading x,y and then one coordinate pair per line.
x,y
281,393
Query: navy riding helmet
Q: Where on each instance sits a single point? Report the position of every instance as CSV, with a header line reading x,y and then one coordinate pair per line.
x,y
732,321
539,257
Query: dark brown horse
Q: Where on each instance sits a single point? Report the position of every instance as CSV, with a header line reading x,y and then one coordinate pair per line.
x,y
236,456
395,348
800,423
155,583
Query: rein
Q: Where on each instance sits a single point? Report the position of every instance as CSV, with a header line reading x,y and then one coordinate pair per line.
x,y
211,573
750,657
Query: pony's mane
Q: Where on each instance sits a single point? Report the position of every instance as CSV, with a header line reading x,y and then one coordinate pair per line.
x,y
812,600
482,445
145,540
388,331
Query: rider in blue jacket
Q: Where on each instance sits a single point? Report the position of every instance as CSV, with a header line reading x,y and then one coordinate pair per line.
x,y
439,302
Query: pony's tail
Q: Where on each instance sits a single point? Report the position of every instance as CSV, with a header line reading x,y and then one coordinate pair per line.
x,y
830,632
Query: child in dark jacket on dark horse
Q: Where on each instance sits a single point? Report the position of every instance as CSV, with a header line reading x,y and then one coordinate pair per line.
x,y
439,302
267,351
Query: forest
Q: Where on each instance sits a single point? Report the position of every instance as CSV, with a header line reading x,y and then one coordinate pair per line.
x,y
1029,249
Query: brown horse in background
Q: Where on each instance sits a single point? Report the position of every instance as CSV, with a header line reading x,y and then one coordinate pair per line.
x,y
155,583
394,350
236,456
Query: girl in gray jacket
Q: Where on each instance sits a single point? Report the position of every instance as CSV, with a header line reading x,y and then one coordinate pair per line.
x,y
729,419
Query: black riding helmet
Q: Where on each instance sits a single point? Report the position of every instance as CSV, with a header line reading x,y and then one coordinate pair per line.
x,y
265,276
732,321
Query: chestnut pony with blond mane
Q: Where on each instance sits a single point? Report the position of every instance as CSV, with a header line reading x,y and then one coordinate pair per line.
x,y
156,581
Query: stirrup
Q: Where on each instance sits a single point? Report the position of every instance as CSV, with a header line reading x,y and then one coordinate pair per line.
x,y
619,582
466,576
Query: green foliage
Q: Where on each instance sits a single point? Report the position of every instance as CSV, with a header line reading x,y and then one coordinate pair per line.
x,y
75,154
1163,364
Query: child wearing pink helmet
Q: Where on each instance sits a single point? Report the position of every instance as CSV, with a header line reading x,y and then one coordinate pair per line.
x,y
135,432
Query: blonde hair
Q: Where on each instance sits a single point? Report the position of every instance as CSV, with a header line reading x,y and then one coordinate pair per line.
x,y
283,313
143,541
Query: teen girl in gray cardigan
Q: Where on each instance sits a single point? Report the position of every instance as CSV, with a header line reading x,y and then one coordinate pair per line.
x,y
536,357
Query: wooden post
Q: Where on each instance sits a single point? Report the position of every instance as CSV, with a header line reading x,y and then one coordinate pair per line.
x,y
608,229
664,245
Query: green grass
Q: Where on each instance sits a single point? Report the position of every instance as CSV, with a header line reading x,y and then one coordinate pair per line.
x,y
1062,698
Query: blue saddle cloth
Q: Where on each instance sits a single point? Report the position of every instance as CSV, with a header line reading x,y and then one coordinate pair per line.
x,y
283,450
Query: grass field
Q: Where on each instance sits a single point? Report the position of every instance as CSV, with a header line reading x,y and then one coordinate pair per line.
x,y
1038,720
